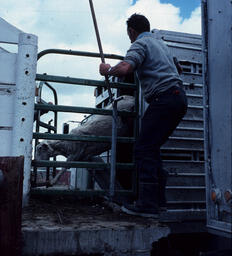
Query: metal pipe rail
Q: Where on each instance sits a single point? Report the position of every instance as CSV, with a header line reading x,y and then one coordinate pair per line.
x,y
47,126
79,193
79,164
79,81
90,138
39,123
97,111
78,53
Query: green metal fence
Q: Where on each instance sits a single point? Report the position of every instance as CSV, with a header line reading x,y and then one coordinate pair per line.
x,y
61,108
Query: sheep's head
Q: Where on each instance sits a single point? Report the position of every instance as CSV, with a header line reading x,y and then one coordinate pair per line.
x,y
43,151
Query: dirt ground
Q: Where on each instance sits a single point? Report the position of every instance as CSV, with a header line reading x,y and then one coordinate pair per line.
x,y
62,211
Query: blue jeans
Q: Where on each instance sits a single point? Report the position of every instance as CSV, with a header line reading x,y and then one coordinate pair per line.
x,y
159,121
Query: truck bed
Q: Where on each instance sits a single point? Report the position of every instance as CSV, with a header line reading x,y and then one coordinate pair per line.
x,y
67,226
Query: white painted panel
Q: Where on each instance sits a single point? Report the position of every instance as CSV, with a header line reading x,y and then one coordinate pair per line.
x,y
2,50
7,67
9,33
5,141
7,97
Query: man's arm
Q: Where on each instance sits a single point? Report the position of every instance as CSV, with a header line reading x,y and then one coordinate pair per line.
x,y
121,69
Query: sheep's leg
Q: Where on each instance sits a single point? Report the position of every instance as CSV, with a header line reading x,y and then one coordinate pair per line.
x,y
58,175
63,170
102,176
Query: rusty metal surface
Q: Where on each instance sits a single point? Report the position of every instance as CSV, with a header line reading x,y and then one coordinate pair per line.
x,y
11,205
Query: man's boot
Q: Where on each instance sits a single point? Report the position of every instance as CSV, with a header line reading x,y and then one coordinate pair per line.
x,y
147,204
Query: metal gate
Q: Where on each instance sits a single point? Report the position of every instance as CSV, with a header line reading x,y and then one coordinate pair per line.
x,y
47,79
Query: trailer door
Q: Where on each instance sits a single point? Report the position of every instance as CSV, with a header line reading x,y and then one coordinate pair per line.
x,y
217,48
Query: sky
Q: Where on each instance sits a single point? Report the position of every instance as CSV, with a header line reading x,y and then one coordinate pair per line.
x,y
67,24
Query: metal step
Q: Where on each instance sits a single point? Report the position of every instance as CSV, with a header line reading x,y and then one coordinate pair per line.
x,y
185,193
194,112
189,154
176,166
186,179
182,214
185,142
174,205
186,202
191,132
181,149
193,88
194,99
192,122
192,78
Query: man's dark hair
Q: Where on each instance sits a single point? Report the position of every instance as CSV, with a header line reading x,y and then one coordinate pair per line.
x,y
139,23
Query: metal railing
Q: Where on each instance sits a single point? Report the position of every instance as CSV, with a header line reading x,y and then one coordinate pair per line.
x,y
50,128
73,109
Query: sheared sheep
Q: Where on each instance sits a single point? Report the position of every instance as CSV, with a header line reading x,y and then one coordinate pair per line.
x,y
98,125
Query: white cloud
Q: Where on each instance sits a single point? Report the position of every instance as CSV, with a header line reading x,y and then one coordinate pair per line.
x,y
74,99
167,16
23,14
193,24
69,22
161,16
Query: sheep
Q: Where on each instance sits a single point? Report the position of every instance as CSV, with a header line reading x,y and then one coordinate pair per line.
x,y
98,125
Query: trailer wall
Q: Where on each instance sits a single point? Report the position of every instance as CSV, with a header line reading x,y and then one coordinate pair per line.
x,y
217,48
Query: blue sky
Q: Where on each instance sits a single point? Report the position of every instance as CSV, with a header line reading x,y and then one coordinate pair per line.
x,y
186,6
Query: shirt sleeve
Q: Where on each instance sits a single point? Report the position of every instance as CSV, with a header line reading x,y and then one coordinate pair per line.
x,y
136,54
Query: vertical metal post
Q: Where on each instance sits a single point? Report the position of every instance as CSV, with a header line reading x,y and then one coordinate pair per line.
x,y
24,104
136,128
113,150
114,115
208,170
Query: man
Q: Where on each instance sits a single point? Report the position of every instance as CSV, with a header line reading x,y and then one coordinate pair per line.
x,y
161,87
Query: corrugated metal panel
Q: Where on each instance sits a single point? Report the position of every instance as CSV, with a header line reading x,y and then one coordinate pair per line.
x,y
7,96
183,152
